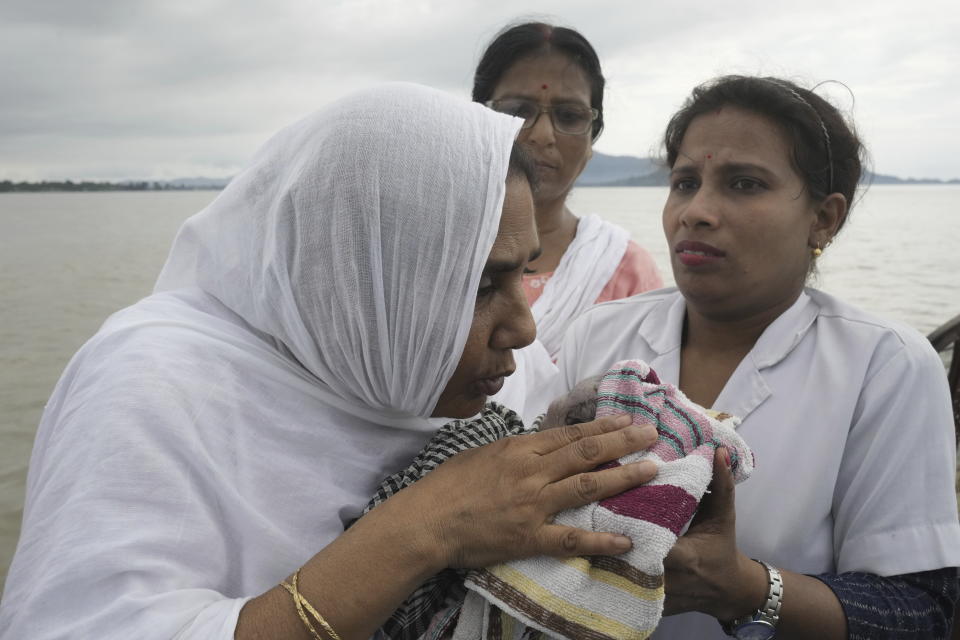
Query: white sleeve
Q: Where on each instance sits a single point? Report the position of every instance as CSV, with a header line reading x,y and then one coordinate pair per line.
x,y
895,507
122,532
218,620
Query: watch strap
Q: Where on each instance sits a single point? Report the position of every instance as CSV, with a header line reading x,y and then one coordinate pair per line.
x,y
770,611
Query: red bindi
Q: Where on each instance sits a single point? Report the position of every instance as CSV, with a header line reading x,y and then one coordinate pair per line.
x,y
545,87
709,156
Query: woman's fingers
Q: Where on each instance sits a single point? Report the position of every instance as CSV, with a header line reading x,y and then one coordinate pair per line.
x,y
494,503
561,541
551,440
717,512
592,486
585,454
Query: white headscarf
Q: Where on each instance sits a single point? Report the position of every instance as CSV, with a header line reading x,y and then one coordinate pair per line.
x,y
213,437
350,235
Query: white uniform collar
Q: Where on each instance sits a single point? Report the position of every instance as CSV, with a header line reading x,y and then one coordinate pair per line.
x,y
785,333
662,330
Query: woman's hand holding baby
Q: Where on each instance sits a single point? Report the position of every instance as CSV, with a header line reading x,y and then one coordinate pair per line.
x,y
496,503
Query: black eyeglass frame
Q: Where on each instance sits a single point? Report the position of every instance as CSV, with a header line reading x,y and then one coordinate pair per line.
x,y
529,122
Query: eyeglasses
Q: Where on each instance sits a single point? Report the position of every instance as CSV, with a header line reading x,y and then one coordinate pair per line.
x,y
569,119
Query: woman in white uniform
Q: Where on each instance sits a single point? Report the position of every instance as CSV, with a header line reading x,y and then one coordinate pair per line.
x,y
214,439
851,505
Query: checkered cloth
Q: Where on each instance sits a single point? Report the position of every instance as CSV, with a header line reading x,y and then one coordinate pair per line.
x,y
444,592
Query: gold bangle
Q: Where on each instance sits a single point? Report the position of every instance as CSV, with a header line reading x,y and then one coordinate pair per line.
x,y
296,601
302,603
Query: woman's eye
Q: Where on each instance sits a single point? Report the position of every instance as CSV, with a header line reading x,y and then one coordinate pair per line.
x,y
571,115
684,184
520,109
524,112
746,184
486,286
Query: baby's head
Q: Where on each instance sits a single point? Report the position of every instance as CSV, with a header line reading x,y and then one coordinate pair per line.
x,y
580,405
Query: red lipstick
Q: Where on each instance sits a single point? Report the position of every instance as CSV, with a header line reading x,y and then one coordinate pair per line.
x,y
694,254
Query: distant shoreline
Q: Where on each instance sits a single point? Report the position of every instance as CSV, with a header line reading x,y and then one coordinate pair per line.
x,y
603,170
69,186
654,179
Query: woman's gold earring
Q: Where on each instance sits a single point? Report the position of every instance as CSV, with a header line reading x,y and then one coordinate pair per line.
x,y
817,251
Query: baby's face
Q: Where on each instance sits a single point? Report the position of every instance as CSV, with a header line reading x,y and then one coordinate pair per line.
x,y
579,405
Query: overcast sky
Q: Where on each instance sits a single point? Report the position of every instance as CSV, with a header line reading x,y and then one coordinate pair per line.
x,y
115,89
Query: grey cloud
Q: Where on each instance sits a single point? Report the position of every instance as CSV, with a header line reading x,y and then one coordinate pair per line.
x,y
66,14
185,78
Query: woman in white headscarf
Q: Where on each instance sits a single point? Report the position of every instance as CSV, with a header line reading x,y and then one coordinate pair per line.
x,y
216,437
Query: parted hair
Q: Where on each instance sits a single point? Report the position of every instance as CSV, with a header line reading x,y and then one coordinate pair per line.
x,y
524,40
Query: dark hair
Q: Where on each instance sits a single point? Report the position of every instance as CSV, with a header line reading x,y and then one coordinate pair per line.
x,y
826,150
524,40
522,167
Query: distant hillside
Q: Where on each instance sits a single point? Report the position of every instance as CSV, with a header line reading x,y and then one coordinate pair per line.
x,y
631,171
603,169
877,178
660,177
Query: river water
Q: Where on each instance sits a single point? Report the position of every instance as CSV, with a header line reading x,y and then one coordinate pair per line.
x,y
69,260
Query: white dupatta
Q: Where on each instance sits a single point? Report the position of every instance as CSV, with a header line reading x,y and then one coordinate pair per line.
x,y
584,270
210,439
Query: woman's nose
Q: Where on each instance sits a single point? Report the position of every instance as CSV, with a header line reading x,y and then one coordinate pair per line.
x,y
701,209
516,328
542,132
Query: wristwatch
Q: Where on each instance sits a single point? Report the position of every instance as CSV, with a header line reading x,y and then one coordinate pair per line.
x,y
762,623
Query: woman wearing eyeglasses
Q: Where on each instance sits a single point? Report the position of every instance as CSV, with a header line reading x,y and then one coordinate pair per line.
x,y
551,77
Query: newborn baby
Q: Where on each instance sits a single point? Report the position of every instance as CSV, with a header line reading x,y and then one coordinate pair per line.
x,y
579,405
623,595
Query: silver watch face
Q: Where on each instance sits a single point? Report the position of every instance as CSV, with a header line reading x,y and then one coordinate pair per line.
x,y
754,630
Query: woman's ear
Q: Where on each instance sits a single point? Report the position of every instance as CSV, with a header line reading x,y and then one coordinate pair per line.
x,y
831,213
